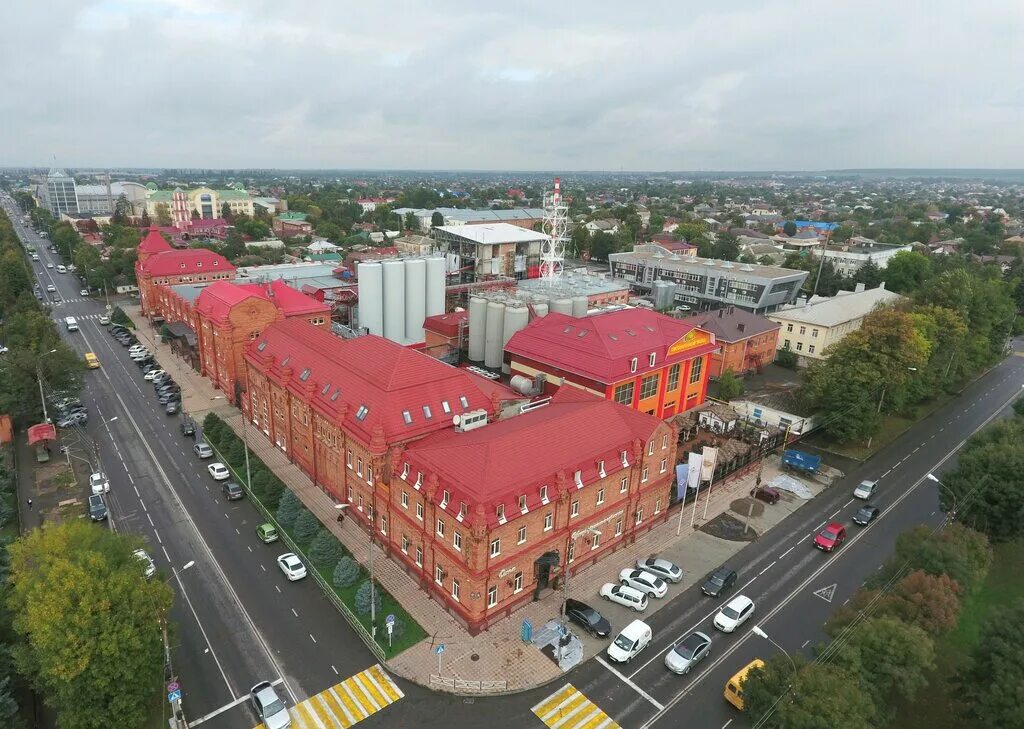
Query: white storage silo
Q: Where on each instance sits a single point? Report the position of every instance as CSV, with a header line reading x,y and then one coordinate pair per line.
x,y
394,300
435,285
579,306
415,298
516,317
477,327
493,341
562,306
664,294
371,301
540,309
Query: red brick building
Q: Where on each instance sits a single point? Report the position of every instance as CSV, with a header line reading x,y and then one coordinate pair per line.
x,y
746,341
160,265
482,515
637,357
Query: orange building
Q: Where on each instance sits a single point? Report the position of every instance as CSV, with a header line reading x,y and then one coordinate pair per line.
x,y
637,357
160,265
747,341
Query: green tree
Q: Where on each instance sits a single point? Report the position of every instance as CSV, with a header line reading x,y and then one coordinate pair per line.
x,y
368,591
325,550
819,695
436,219
225,211
346,573
14,277
307,526
163,214
786,357
87,624
931,602
144,221
789,228
907,271
957,551
288,509
991,684
726,247
121,210
412,223
729,386
10,712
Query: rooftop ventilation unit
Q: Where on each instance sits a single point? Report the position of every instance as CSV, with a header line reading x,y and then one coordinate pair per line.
x,y
470,421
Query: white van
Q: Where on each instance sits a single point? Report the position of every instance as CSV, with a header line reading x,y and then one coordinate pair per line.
x,y
61,269
71,323
634,638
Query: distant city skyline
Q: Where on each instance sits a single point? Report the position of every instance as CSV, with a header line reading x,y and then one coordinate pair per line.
x,y
751,87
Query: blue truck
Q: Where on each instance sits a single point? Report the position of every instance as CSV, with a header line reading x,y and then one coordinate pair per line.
x,y
800,461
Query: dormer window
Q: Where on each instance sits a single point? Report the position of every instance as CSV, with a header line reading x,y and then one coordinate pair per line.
x,y
522,503
199,264
326,389
407,417
463,510
405,471
334,398
650,359
419,480
426,412
544,494
446,407
632,365
622,457
578,478
361,412
445,498
463,401
501,513
305,374
600,469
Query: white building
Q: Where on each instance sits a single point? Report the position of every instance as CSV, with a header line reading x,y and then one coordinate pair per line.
x,y
849,257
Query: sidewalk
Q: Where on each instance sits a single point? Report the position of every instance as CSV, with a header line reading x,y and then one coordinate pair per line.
x,y
496,660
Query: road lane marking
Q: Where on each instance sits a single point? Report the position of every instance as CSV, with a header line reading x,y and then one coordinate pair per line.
x,y
805,644
312,638
766,569
294,613
629,683
567,708
788,551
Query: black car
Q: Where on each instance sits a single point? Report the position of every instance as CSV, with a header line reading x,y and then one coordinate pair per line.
x,y
149,367
866,514
145,361
719,582
167,389
188,428
97,507
587,618
173,406
232,491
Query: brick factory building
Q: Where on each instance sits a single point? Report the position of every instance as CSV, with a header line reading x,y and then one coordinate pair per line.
x,y
481,512
747,341
160,265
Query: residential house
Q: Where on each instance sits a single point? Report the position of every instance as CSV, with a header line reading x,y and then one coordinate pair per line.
x,y
747,342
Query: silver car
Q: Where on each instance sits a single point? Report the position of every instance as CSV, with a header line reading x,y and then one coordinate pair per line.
x,y
661,568
688,652
269,707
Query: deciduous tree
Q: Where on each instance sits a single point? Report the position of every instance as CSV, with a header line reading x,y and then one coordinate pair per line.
x,y
992,682
957,551
891,656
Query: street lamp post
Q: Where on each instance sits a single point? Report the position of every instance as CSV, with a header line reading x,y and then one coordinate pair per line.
x,y
951,515
756,630
177,712
39,377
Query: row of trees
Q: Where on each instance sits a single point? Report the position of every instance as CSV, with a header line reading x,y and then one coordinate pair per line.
x,y
882,645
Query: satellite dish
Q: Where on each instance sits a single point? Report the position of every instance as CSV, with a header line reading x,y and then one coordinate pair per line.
x,y
456,419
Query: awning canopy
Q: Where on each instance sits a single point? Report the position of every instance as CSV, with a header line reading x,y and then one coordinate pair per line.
x,y
41,432
181,330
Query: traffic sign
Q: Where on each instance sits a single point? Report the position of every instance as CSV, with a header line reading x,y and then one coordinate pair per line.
x,y
174,696
440,649
173,686
390,619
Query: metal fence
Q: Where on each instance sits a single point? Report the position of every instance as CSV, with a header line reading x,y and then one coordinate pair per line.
x,y
459,684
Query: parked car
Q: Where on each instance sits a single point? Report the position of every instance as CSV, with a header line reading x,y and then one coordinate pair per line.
x,y
292,566
865,489
232,491
734,614
153,374
77,418
104,320
587,618
98,483
719,582
169,396
83,292
633,599
140,354
766,494
267,533
219,471
150,567
831,537
188,427
661,568
202,449
172,407
688,652
269,707
644,582
627,644
866,514
97,507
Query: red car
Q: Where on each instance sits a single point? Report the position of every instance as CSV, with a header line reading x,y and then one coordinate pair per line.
x,y
830,537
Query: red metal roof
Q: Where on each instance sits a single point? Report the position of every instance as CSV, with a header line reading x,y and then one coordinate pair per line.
x,y
602,347
292,302
372,372
217,299
446,324
183,263
500,461
41,432
154,242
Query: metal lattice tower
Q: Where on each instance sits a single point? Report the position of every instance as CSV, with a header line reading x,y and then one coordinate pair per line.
x,y
556,225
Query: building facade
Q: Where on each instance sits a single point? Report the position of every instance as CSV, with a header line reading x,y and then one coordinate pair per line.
x,y
646,361
291,224
704,283
485,250
848,258
159,265
204,202
746,341
58,193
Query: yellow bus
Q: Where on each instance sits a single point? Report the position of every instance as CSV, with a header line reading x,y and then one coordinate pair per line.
x,y
734,686
92,361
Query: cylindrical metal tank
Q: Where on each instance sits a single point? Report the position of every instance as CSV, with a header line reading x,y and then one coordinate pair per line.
x,y
493,341
516,317
435,285
521,384
394,300
562,306
540,309
371,301
415,298
664,294
477,327
579,306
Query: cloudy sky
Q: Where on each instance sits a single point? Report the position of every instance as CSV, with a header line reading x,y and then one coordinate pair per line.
x,y
570,85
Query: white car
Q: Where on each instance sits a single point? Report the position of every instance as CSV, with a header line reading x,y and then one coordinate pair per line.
x,y
51,288
292,566
104,320
141,354
734,614
269,707
83,292
136,348
152,374
633,599
150,567
219,471
203,450
643,581
99,484
634,638
49,265
865,490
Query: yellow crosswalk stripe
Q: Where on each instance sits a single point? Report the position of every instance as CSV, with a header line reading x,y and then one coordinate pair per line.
x,y
567,708
346,703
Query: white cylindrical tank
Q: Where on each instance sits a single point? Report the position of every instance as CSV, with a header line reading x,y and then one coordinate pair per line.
x,y
521,384
516,317
493,341
415,298
394,300
562,306
540,309
435,285
371,301
477,327
579,306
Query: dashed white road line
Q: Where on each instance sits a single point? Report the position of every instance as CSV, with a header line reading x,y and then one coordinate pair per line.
x,y
312,638
628,682
766,568
150,520
788,551
157,535
335,670
294,613
805,644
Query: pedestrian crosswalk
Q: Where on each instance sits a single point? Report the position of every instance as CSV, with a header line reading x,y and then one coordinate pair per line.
x,y
346,703
567,708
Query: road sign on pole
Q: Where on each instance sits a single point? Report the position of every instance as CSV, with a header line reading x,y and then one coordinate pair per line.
x,y
174,696
173,686
389,623
390,619
439,650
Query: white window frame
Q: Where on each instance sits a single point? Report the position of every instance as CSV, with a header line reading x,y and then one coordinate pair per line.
x,y
492,596
439,574
639,515
578,479
517,583
440,527
405,544
496,547
457,541
405,471
574,508
600,469
544,494
651,359
618,527
549,522
664,465
419,511
600,496
522,535
624,458
643,475
522,504
348,459
623,484
405,499
456,590
657,507
500,512
597,541
419,556
650,447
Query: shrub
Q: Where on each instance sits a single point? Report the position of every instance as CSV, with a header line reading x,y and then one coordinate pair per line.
x,y
212,426
260,483
346,572
729,386
363,595
119,317
786,357
275,490
307,526
288,509
236,454
326,549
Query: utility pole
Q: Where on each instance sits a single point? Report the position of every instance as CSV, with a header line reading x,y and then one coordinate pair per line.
x,y
39,377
